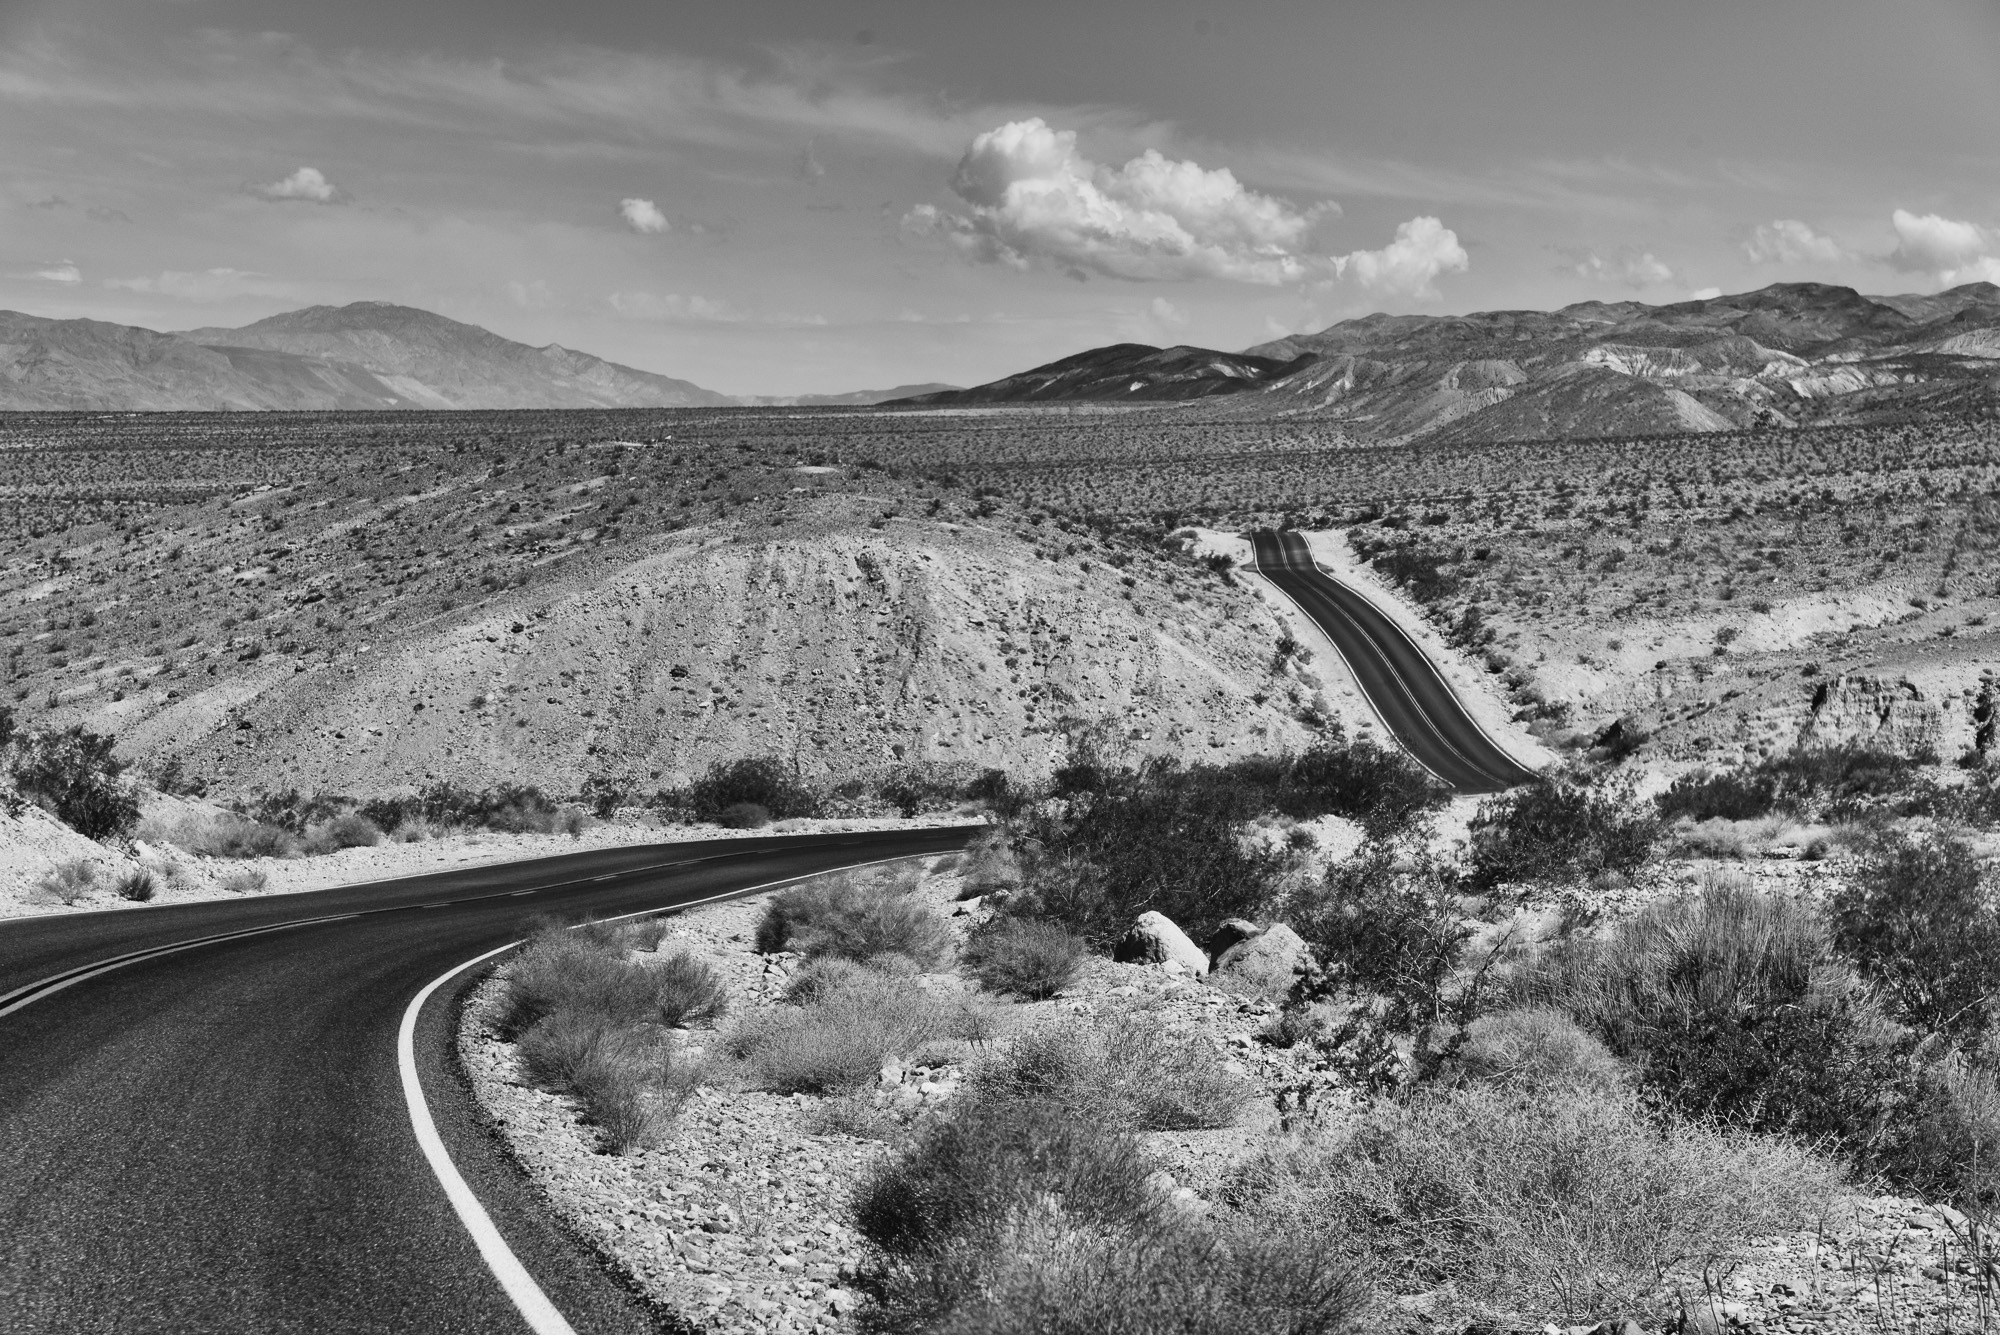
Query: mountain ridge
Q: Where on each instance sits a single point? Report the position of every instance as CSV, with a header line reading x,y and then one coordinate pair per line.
x,y
365,355
1780,356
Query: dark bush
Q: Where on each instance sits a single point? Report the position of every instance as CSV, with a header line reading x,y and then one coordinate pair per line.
x,y
1838,782
1383,789
1918,917
1558,831
1033,957
1163,838
763,780
1732,1005
73,776
1388,923
743,816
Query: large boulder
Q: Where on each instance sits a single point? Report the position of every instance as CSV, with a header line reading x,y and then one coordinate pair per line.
x,y
1265,965
1155,939
1227,935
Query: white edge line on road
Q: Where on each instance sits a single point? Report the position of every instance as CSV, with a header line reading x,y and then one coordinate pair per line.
x,y
534,1305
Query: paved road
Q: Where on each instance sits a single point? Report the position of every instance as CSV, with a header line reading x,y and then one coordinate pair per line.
x,y
216,1139
1400,680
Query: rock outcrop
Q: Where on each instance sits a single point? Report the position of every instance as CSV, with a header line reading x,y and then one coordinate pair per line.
x,y
1890,715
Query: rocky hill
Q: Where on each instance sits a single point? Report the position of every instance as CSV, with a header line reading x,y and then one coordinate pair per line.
x,y
1123,373
366,355
1790,354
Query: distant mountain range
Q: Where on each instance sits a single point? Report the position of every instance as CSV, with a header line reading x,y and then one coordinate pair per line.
x,y
1787,354
368,355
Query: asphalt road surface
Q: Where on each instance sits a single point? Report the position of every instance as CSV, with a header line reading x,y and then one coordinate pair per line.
x,y
1399,679
217,1139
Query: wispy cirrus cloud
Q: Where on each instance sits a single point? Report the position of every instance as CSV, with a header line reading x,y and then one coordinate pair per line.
x,y
206,284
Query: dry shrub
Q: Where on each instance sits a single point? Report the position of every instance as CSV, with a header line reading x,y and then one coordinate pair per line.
x,y
1124,1073
248,881
853,1023
1511,1210
138,885
348,830
583,972
743,816
70,882
1541,1049
687,991
228,835
1034,957
858,915
1014,1216
627,1077
1952,1150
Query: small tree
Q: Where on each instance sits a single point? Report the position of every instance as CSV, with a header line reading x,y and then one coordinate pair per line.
x,y
72,775
1918,918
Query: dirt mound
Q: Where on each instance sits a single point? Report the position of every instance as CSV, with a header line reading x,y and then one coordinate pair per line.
x,y
840,649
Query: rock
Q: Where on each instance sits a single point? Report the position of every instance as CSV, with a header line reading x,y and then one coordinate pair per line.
x,y
1264,965
1232,931
1155,939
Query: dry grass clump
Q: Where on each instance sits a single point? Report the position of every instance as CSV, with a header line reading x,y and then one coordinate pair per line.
x,y
348,830
69,882
1538,1048
584,971
224,835
1013,1216
629,1077
593,1024
1032,957
138,885
858,915
1505,1208
1124,1073
846,1021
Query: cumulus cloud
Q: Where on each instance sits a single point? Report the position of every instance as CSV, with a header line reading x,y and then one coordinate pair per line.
x,y
99,213
1637,272
643,215
1031,197
1409,265
58,271
1789,241
1167,314
1705,294
306,185
1955,252
52,202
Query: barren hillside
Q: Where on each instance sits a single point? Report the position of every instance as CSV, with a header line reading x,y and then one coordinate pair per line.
x,y
537,613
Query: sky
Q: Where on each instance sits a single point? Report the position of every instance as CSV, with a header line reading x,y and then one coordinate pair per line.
x,y
792,196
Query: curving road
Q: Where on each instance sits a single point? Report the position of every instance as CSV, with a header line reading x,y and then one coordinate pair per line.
x,y
215,1137
1399,678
